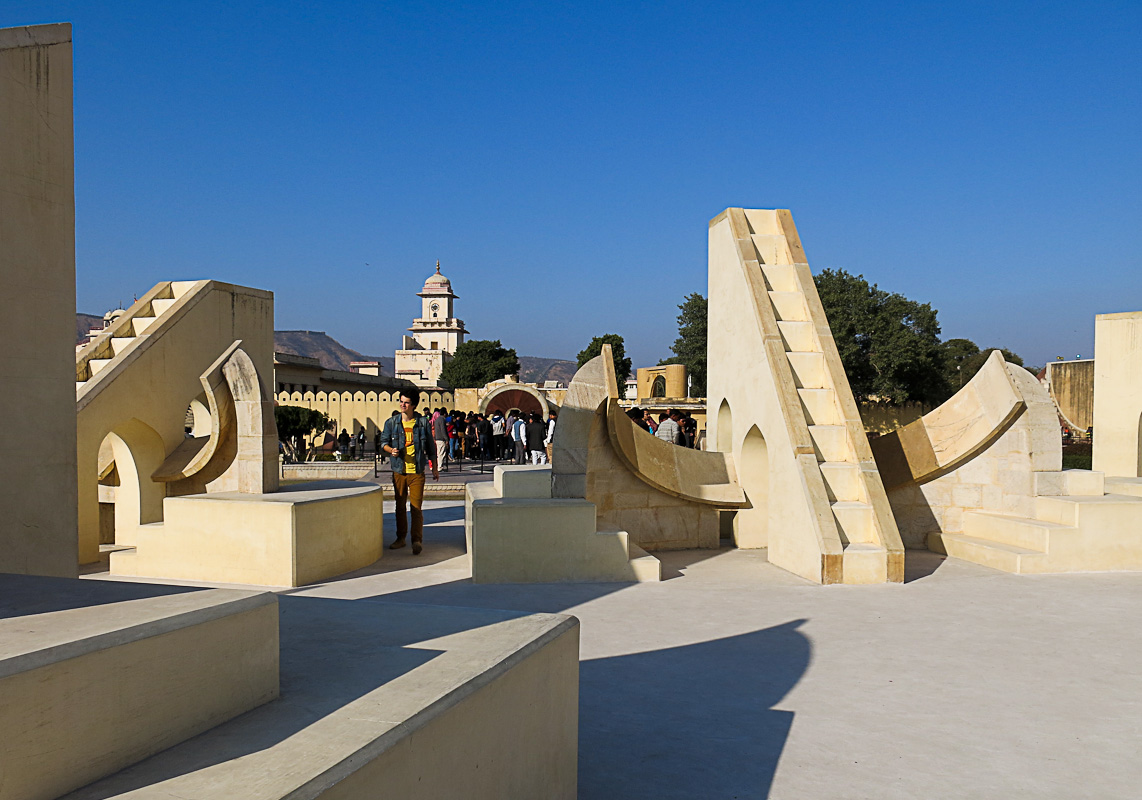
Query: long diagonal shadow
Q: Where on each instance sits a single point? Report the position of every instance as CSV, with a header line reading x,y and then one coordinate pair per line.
x,y
692,721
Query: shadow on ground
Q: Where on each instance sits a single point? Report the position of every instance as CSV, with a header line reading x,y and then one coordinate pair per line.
x,y
663,723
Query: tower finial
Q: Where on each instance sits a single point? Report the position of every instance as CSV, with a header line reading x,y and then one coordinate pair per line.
x,y
438,266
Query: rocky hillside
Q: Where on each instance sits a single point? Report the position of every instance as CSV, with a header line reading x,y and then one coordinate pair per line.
x,y
330,352
538,370
334,355
84,323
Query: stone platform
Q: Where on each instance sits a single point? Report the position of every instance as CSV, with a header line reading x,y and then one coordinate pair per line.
x,y
301,534
95,676
391,700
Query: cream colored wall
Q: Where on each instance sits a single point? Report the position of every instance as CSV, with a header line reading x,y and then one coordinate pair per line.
x,y
153,387
881,418
1000,479
653,519
1118,394
738,370
354,410
674,375
37,303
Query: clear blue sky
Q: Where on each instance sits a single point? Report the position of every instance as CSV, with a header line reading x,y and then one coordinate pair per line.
x,y
562,161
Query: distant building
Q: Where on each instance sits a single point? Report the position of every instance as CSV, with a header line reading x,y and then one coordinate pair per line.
x,y
436,334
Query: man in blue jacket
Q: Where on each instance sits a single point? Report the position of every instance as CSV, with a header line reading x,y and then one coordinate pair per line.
x,y
407,439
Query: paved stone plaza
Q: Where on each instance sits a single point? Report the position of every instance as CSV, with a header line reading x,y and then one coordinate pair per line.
x,y
734,679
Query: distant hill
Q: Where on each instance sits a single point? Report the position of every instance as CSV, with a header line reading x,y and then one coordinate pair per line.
x,y
334,355
537,370
330,352
84,323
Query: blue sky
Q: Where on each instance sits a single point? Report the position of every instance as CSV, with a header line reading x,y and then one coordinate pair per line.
x,y
562,160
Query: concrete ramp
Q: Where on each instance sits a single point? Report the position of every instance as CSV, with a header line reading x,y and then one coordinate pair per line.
x,y
779,402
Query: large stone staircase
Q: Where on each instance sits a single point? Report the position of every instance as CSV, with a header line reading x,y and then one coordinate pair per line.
x,y
865,556
1076,527
117,341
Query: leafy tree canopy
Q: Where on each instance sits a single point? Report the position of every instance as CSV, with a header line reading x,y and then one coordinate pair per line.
x,y
618,350
889,345
478,362
295,423
690,346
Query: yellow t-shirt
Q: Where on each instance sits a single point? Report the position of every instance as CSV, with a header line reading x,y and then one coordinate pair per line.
x,y
409,450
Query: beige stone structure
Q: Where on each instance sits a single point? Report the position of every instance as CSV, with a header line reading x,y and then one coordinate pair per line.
x,y
979,478
1118,394
781,405
1071,384
667,380
37,276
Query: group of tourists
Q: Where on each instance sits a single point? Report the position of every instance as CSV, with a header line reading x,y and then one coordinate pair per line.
x,y
493,436
674,426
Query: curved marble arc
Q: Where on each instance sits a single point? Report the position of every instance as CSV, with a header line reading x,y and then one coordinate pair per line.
x,y
949,436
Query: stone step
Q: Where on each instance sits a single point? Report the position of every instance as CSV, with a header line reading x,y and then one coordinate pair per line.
x,y
1030,534
1111,509
1068,482
831,442
646,568
789,306
864,563
119,343
1124,486
808,370
79,385
996,555
856,521
179,288
139,325
160,307
97,364
820,406
780,277
798,336
843,481
771,248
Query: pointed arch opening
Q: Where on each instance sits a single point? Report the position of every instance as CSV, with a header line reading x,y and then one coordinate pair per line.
x,y
753,473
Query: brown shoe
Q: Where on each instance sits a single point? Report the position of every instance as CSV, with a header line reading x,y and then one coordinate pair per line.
x,y
416,548
399,543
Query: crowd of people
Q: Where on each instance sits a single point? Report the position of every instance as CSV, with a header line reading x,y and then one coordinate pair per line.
x,y
674,426
518,437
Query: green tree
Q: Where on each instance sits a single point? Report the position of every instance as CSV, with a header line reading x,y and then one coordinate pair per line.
x,y
477,363
618,350
889,345
956,353
295,423
973,363
690,346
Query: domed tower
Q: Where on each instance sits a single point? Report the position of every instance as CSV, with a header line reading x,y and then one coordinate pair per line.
x,y
437,328
436,333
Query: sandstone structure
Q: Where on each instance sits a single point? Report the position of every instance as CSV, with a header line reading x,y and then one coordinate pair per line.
x,y
780,403
436,334
1118,395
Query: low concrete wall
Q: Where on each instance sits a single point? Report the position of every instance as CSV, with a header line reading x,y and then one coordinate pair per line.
x,y
327,470
114,674
302,534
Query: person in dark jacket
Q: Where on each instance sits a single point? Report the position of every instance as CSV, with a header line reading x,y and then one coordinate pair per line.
x,y
534,434
407,439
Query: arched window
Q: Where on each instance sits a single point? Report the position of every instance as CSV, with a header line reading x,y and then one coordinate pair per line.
x,y
658,388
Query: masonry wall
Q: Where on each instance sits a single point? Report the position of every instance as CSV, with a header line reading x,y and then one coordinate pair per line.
x,y
37,303
1118,394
